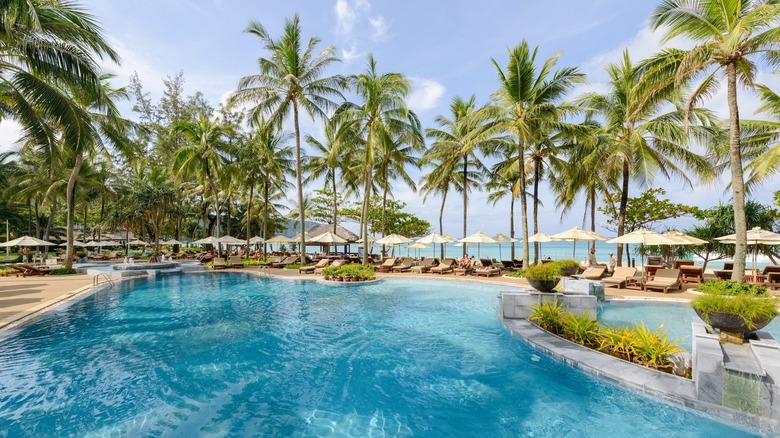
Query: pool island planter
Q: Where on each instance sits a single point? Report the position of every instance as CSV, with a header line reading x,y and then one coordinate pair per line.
x,y
733,327
545,286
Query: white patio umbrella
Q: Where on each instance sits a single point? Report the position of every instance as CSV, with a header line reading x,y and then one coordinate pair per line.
x,y
393,239
255,240
230,240
756,236
542,238
643,237
27,241
139,242
415,246
171,242
434,238
501,238
75,243
211,240
108,243
682,239
479,238
91,244
575,234
328,238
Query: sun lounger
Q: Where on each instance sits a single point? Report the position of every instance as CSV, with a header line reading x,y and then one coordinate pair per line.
x,y
219,263
655,260
313,268
664,280
444,267
650,270
404,266
691,274
487,271
236,262
728,266
619,277
723,274
287,261
335,264
509,265
271,261
592,273
773,280
387,266
678,263
425,265
26,270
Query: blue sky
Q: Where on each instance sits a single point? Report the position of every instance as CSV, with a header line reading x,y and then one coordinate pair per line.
x,y
445,48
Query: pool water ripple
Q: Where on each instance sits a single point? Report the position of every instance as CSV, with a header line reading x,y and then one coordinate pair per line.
x,y
234,355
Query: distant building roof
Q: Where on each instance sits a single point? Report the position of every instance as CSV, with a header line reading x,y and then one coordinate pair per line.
x,y
342,232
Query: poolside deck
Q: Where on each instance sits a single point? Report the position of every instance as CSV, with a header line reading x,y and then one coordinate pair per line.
x,y
21,297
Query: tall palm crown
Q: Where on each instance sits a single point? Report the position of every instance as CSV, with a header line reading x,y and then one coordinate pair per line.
x,y
459,137
643,141
381,116
526,98
761,141
728,35
290,80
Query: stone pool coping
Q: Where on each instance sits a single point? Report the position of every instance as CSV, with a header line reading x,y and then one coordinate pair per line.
x,y
656,384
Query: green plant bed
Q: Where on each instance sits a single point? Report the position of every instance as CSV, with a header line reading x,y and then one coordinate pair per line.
x,y
517,274
293,266
752,310
568,267
62,271
352,272
727,287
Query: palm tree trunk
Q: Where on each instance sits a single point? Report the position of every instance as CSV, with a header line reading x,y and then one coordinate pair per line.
x,y
523,203
465,197
512,221
737,177
384,205
335,201
228,203
537,171
366,200
299,182
249,218
37,219
265,216
70,196
441,220
622,214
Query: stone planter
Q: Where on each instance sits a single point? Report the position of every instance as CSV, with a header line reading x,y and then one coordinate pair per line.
x,y
568,272
732,327
543,285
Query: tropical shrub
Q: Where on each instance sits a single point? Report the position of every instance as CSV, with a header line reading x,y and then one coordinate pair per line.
x,y
293,266
520,273
652,348
618,340
580,328
350,271
750,309
566,264
548,315
543,272
62,271
724,287
251,262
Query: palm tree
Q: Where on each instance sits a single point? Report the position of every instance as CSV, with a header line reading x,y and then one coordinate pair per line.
x,y
761,141
204,156
381,116
290,80
395,155
470,129
504,181
526,97
442,178
728,35
642,140
265,158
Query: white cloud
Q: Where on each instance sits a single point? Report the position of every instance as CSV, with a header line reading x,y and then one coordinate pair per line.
x,y
10,131
379,25
425,95
345,16
350,54
133,61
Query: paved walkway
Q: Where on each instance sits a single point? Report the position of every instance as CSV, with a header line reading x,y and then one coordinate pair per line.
x,y
21,297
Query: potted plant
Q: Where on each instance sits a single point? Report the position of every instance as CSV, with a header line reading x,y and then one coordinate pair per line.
x,y
543,277
736,309
568,267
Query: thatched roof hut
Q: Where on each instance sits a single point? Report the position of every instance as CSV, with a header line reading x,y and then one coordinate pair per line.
x,y
342,232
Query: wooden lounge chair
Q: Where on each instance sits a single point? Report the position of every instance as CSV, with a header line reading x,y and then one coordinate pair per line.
x,y
509,265
723,274
311,269
728,266
236,262
488,269
691,274
287,261
592,273
335,264
425,265
272,260
619,277
650,270
655,260
27,270
444,267
387,266
770,269
773,280
678,263
219,263
404,266
664,280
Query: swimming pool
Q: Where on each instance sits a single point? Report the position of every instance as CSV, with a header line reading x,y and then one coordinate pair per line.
x,y
675,317
205,354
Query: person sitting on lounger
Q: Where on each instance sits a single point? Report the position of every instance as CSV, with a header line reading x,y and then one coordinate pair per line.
x,y
465,262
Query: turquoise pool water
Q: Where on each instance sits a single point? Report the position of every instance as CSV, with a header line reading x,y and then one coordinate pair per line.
x,y
229,355
675,317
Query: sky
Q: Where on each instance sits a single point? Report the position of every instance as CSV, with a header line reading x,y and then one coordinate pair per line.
x,y
444,48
